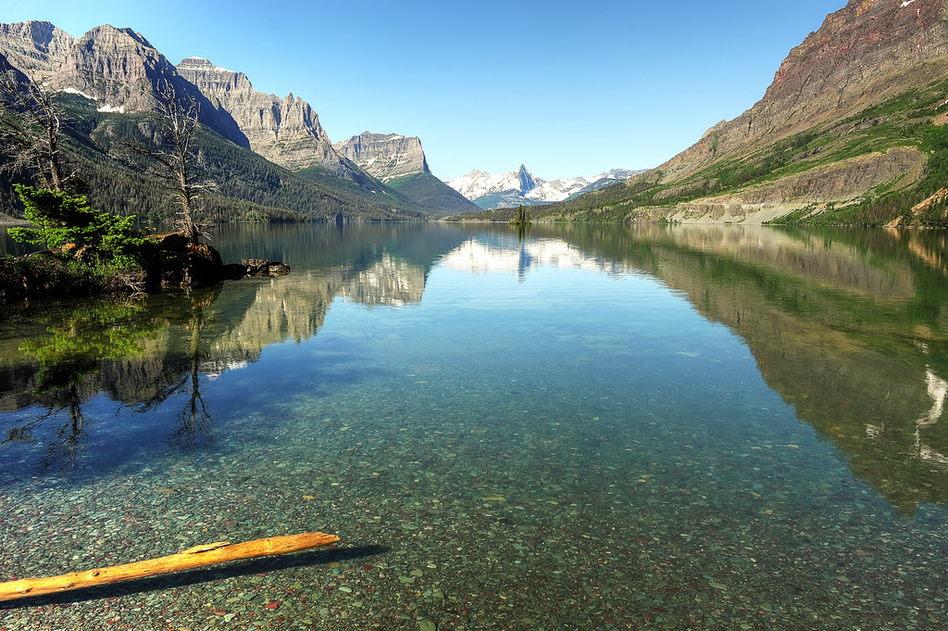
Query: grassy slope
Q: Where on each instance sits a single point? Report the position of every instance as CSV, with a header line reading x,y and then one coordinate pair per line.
x,y
906,120
432,195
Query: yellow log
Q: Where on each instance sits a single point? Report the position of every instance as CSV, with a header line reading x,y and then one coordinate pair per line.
x,y
191,558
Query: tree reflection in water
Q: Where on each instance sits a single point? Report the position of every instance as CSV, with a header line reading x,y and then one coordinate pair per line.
x,y
850,327
194,426
80,340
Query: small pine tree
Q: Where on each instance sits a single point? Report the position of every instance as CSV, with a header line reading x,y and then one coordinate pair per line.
x,y
522,217
67,223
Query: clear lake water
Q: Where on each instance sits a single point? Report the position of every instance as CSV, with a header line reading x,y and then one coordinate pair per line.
x,y
580,427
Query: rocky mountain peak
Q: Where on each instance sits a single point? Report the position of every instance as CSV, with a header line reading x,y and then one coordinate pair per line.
x,y
117,67
35,48
527,183
197,63
385,156
285,131
214,82
123,72
859,44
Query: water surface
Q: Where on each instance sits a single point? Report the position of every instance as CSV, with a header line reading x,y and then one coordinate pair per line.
x,y
587,427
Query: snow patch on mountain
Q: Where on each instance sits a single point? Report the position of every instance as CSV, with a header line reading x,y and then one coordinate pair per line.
x,y
76,92
101,108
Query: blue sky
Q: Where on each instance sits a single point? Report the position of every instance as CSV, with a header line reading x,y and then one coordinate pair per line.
x,y
566,88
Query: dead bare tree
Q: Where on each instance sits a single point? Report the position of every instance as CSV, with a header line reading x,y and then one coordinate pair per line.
x,y
31,118
170,159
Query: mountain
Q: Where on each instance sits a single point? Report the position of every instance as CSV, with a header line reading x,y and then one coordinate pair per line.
x,y
852,130
284,131
507,190
36,48
399,162
385,156
123,72
268,158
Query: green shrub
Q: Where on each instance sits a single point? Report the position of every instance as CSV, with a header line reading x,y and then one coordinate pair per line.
x,y
67,224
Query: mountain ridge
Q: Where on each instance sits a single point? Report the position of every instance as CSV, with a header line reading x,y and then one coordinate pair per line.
x,y
285,131
504,190
119,73
850,131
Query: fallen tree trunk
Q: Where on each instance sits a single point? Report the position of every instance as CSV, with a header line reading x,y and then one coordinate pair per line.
x,y
191,558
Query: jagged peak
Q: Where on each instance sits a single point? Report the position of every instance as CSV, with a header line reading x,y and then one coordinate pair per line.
x,y
527,183
108,29
200,64
40,31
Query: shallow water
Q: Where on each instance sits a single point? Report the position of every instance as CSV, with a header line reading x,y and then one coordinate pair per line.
x,y
606,427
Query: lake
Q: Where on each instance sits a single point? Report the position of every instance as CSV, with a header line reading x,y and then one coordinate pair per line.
x,y
580,427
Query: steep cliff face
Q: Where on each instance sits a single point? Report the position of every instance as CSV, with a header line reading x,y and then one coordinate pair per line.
x,y
35,48
285,131
123,72
861,45
864,53
399,161
14,74
117,67
385,156
848,131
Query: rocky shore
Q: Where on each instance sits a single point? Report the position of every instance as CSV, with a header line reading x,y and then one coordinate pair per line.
x,y
174,263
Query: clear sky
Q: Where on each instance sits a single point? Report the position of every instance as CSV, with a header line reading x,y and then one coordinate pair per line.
x,y
566,88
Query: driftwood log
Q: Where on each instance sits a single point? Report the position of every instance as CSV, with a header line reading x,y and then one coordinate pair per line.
x,y
197,556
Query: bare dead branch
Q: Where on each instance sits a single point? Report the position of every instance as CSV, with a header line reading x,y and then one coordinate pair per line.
x,y
32,123
171,157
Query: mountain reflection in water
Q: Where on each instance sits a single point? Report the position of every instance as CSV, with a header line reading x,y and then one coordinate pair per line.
x,y
849,327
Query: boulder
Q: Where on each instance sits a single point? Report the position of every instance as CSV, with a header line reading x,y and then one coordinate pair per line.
x,y
182,265
263,267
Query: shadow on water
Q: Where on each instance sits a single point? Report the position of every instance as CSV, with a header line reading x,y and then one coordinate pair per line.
x,y
205,575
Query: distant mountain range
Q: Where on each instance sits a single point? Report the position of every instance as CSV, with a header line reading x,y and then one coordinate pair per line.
x,y
853,130
509,190
269,156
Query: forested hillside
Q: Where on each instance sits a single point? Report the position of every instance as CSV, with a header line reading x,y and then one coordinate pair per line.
x,y
240,185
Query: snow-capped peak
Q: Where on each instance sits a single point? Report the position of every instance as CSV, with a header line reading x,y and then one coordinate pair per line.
x,y
498,190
